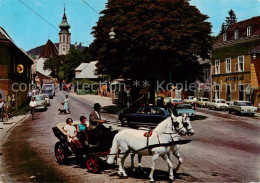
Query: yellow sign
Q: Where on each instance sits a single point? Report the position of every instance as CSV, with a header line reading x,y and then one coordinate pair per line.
x,y
20,68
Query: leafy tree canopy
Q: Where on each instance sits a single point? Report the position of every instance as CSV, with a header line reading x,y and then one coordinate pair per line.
x,y
153,39
63,67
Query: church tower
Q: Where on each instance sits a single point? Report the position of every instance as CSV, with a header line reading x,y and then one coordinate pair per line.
x,y
64,36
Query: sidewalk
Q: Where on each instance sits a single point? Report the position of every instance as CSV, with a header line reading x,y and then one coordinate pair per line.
x,y
6,126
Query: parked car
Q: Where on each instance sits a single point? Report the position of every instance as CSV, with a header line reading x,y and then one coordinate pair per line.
x,y
48,92
148,115
218,104
40,102
242,107
181,109
176,101
47,99
49,87
189,100
202,102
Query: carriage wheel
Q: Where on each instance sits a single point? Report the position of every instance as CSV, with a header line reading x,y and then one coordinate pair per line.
x,y
92,163
59,153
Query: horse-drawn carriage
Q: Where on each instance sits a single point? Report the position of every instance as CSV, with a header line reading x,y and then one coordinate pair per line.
x,y
95,153
93,150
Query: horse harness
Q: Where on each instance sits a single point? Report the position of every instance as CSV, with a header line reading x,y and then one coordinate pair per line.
x,y
150,132
148,135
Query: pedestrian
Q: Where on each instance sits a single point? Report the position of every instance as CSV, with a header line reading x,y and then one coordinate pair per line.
x,y
194,101
95,117
29,96
2,106
5,113
32,106
67,104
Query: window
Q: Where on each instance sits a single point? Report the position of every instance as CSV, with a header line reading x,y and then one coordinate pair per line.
x,y
206,74
228,65
228,93
249,31
217,66
241,91
63,38
241,64
225,37
236,36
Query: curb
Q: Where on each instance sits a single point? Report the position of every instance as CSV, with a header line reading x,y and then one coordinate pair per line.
x,y
6,133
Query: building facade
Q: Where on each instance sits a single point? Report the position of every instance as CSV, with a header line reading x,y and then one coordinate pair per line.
x,y
15,71
233,62
204,84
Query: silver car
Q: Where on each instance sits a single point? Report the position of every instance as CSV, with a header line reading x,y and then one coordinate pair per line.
x,y
40,102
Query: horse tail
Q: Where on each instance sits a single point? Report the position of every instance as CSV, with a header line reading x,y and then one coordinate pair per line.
x,y
113,151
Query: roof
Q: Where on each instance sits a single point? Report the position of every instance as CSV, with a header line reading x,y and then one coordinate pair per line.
x,y
4,36
49,50
255,50
38,50
81,66
39,67
242,27
89,71
205,61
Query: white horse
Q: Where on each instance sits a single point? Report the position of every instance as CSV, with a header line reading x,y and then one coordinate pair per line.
x,y
134,140
174,149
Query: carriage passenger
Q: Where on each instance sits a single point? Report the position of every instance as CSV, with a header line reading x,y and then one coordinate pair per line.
x,y
71,133
82,126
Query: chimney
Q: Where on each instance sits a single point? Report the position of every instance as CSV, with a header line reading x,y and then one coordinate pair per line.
x,y
79,43
76,45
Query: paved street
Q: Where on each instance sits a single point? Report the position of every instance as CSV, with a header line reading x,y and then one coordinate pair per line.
x,y
228,149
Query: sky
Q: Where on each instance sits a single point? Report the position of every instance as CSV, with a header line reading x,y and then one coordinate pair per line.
x,y
30,23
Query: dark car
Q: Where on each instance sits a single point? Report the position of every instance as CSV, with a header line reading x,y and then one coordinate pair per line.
x,y
148,115
48,92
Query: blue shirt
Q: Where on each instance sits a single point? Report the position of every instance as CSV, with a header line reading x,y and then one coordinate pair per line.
x,y
82,127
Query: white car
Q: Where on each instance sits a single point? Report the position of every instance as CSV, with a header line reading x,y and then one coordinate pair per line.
x,y
242,107
189,100
202,102
218,104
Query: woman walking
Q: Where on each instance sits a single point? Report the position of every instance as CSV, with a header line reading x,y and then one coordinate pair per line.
x,y
67,104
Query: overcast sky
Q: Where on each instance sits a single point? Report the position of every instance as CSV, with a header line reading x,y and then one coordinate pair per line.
x,y
31,22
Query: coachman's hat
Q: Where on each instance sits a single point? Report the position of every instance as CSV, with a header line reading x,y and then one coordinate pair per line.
x,y
97,105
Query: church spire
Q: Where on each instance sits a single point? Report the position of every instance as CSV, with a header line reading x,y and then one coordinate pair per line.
x,y
64,25
64,35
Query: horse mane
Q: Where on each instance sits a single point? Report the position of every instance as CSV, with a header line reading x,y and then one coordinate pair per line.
x,y
161,127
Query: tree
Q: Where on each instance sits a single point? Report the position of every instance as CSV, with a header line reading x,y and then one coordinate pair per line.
x,y
231,19
63,67
53,64
223,28
155,39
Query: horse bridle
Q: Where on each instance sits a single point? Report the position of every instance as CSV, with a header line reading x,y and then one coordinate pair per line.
x,y
186,124
175,126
